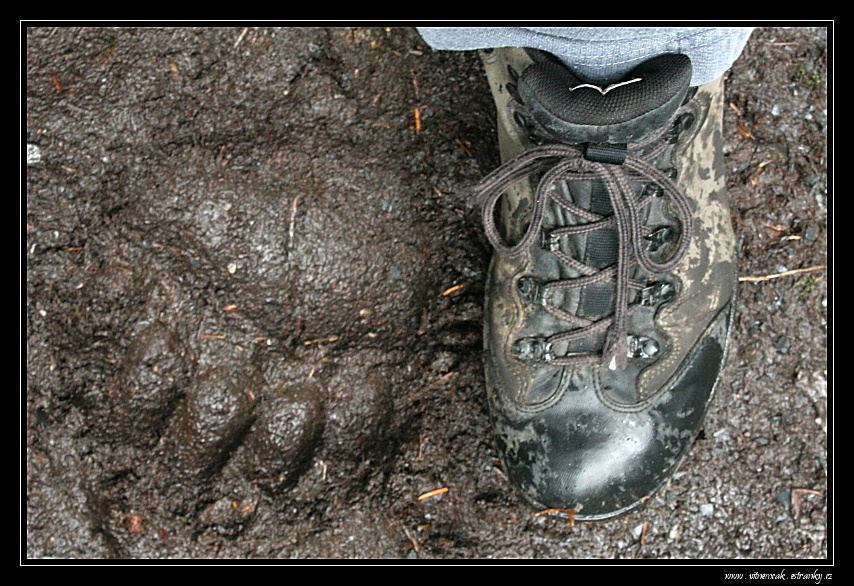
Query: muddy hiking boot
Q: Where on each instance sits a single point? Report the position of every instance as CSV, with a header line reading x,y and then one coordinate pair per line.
x,y
609,297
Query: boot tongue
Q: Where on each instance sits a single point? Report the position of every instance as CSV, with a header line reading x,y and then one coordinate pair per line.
x,y
598,249
605,119
626,111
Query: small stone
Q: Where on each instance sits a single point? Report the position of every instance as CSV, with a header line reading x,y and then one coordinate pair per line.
x,y
707,509
722,435
675,532
784,497
809,234
815,386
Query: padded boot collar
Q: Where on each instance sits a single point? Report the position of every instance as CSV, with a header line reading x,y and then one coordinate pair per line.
x,y
576,112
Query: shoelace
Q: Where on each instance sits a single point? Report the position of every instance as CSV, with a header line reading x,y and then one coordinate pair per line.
x,y
567,162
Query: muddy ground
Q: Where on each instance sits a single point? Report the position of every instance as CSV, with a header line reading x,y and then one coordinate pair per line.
x,y
253,307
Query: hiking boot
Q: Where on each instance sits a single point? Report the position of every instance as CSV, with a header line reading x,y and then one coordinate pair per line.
x,y
609,298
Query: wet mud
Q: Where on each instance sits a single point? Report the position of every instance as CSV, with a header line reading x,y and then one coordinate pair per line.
x,y
254,307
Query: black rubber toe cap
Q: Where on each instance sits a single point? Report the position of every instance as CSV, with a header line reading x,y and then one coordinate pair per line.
x,y
602,459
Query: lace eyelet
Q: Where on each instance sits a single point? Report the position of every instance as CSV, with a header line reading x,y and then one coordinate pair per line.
x,y
657,293
641,347
681,125
659,237
533,291
549,240
653,189
551,295
533,350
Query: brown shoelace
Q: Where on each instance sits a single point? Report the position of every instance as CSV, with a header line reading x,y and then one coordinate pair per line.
x,y
567,163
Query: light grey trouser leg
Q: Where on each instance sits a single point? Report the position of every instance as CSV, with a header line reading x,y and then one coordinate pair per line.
x,y
604,55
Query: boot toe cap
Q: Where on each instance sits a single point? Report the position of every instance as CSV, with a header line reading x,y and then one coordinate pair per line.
x,y
586,453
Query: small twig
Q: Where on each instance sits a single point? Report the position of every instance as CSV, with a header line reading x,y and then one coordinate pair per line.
x,y
744,131
783,274
806,491
433,493
459,142
570,513
550,511
796,499
773,227
411,539
414,82
447,292
319,340
240,38
442,378
500,473
293,217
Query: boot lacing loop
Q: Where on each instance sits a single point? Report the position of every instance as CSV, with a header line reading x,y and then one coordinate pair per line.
x,y
565,162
